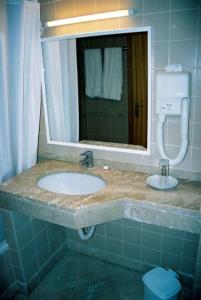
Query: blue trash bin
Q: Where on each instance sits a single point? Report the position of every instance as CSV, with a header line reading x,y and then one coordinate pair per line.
x,y
161,284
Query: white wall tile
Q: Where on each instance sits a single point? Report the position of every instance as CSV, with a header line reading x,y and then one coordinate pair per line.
x,y
196,160
184,4
161,54
137,4
135,21
196,135
174,133
173,151
154,131
160,25
193,81
105,5
198,82
197,110
65,9
184,25
198,63
170,21
183,52
156,5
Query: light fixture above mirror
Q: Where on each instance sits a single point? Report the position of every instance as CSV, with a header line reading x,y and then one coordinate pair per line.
x,y
93,17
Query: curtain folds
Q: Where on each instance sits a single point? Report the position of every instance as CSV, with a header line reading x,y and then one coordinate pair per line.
x,y
29,82
6,170
60,65
20,89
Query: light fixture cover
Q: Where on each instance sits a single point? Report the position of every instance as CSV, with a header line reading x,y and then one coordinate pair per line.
x,y
94,17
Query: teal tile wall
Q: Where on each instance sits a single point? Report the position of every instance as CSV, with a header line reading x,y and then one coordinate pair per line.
x,y
34,246
197,281
8,285
7,275
35,243
129,242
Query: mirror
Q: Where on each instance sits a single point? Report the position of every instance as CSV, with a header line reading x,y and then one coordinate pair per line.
x,y
96,89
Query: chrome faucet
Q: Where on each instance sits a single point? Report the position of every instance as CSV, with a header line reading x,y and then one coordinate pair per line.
x,y
87,159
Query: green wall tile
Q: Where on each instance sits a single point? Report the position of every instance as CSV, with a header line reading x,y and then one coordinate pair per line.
x,y
151,256
100,229
114,246
20,220
132,235
31,269
171,245
191,236
173,232
190,249
131,223
69,233
28,252
41,241
24,234
4,280
151,240
153,228
188,265
170,261
132,251
114,230
15,258
37,225
52,231
198,275
98,242
7,219
43,256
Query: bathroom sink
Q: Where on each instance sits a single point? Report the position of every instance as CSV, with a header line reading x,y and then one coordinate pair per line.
x,y
70,183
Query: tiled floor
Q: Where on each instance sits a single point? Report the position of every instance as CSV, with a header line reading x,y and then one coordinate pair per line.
x,y
80,277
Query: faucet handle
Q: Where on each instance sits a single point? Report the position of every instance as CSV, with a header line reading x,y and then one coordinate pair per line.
x,y
87,154
87,159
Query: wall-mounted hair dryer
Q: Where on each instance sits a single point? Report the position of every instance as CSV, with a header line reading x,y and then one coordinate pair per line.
x,y
172,98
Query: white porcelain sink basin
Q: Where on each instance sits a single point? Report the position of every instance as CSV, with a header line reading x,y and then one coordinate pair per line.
x,y
71,183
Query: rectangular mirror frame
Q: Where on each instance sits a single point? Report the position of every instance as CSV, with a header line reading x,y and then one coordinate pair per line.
x,y
88,146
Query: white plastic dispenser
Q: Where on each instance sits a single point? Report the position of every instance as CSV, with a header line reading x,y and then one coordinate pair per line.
x,y
171,90
172,99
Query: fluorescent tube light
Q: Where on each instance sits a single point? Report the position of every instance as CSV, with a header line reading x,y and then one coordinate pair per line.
x,y
94,17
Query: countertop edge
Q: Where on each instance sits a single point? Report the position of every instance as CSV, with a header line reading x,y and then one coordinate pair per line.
x,y
94,214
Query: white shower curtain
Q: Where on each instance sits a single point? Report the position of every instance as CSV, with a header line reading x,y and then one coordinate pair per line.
x,y
60,66
5,150
5,154
20,90
29,91
20,69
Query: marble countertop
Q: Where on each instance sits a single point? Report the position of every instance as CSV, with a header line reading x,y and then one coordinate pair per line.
x,y
125,196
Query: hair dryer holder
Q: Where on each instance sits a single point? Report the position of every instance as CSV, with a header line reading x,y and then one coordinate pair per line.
x,y
172,97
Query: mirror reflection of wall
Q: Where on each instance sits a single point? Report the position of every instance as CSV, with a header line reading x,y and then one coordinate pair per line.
x,y
108,74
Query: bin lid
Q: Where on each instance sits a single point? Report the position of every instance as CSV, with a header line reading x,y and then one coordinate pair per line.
x,y
162,282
